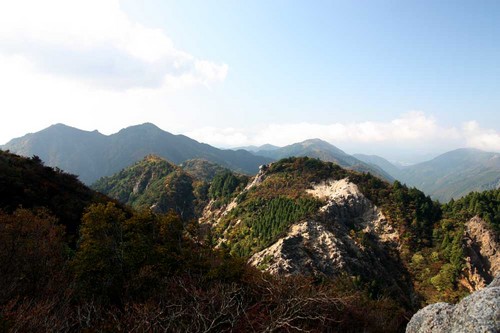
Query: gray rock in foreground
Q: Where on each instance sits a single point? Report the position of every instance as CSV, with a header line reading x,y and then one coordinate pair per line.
x,y
478,312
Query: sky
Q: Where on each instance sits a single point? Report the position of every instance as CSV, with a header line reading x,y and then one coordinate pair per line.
x,y
402,79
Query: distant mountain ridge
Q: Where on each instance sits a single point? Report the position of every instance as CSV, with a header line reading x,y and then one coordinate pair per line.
x,y
317,148
450,175
455,173
265,147
390,168
91,155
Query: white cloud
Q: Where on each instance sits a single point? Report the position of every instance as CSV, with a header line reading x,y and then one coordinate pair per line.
x,y
410,128
481,138
32,100
225,137
96,41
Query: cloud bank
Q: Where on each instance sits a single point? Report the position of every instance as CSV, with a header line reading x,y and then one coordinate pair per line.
x,y
88,65
95,41
410,129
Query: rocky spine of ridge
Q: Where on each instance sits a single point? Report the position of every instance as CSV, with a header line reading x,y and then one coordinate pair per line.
x,y
335,242
349,236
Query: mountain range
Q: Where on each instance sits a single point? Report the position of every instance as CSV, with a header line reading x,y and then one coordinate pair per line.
x,y
358,250
317,148
448,176
92,155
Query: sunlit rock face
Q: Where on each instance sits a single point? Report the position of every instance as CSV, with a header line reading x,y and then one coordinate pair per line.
x,y
482,254
335,241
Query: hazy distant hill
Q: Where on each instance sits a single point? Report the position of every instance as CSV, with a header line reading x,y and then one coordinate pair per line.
x,y
317,148
382,163
91,155
450,175
266,147
455,173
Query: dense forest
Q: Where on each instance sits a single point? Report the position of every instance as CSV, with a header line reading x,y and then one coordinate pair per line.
x,y
139,270
74,260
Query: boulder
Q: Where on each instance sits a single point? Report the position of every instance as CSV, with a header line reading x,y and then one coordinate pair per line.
x,y
478,312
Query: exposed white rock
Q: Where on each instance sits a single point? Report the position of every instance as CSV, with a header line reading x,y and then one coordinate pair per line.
x,y
335,189
259,178
307,248
331,244
341,194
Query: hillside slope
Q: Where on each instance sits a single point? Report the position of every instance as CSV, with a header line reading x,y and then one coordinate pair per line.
x,y
27,183
382,163
152,183
450,175
455,174
304,216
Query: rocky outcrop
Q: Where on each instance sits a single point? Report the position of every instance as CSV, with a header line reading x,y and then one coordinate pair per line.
x,y
211,215
349,236
479,312
482,254
310,248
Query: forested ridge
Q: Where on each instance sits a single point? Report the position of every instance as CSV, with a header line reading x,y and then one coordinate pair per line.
x,y
135,268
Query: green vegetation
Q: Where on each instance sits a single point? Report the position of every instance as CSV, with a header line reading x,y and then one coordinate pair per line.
x,y
224,186
483,204
28,183
152,183
202,169
263,221
129,184
138,270
444,260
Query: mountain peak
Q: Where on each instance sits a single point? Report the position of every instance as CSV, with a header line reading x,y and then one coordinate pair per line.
x,y
143,127
153,158
315,141
63,129
91,155
60,127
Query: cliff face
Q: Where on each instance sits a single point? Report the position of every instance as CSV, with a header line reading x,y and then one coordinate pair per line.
x,y
346,236
482,251
478,312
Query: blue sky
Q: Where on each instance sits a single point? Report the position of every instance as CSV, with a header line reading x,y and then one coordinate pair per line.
x,y
357,59
395,78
